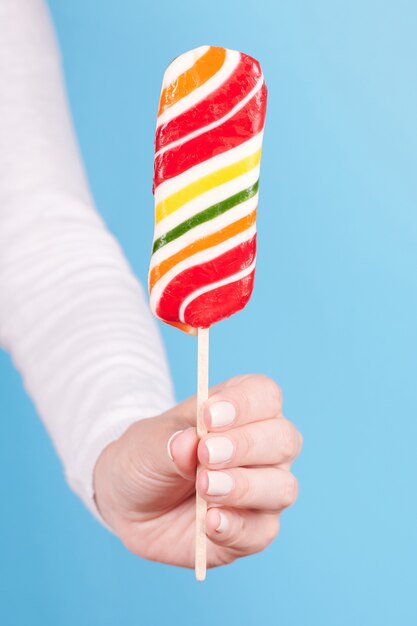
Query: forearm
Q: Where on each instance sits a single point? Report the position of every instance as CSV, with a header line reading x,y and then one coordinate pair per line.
x,y
71,312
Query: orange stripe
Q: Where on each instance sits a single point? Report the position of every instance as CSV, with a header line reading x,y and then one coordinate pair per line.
x,y
201,244
185,327
204,68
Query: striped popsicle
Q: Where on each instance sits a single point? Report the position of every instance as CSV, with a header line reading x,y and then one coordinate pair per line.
x,y
207,156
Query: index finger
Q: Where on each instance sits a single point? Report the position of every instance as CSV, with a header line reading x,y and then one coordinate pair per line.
x,y
243,400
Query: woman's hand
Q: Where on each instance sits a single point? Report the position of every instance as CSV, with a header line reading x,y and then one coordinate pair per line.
x,y
145,481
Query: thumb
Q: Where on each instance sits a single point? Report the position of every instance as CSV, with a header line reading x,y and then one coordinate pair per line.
x,y
140,471
159,448
182,451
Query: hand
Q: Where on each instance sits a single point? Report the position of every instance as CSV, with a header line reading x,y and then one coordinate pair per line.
x,y
148,498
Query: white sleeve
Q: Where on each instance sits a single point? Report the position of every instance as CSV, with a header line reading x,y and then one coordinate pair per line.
x,y
72,314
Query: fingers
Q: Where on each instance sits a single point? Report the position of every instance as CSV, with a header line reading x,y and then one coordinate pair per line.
x,y
242,400
252,397
270,442
267,488
246,532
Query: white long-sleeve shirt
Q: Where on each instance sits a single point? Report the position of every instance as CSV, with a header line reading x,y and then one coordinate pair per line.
x,y
72,314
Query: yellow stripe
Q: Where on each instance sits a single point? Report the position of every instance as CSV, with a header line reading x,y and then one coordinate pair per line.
x,y
191,191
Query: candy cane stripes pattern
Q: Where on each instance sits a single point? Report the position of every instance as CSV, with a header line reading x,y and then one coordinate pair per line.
x,y
206,175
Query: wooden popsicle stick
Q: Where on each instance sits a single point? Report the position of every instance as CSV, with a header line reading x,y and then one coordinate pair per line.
x,y
201,505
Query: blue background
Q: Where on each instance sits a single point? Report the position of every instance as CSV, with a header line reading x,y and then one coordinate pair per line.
x,y
333,318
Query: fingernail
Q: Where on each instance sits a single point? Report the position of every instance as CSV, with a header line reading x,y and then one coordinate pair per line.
x,y
222,413
220,449
219,483
170,440
223,523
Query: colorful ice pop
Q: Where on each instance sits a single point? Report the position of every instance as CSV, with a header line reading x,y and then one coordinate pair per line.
x,y
206,175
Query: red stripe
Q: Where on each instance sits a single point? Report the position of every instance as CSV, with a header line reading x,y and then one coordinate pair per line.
x,y
213,107
216,305
242,126
188,281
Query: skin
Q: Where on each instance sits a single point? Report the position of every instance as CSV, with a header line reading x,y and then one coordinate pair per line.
x,y
149,499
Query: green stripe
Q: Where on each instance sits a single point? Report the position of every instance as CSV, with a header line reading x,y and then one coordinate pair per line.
x,y
206,215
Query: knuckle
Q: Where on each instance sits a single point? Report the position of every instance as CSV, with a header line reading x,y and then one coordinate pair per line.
x,y
240,529
290,490
266,536
288,440
245,489
259,542
300,441
275,393
271,390
255,379
238,532
243,401
271,530
246,443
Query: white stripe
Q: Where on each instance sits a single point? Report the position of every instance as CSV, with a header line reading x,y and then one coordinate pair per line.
x,y
220,283
181,64
205,200
204,230
172,185
221,120
230,63
196,259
